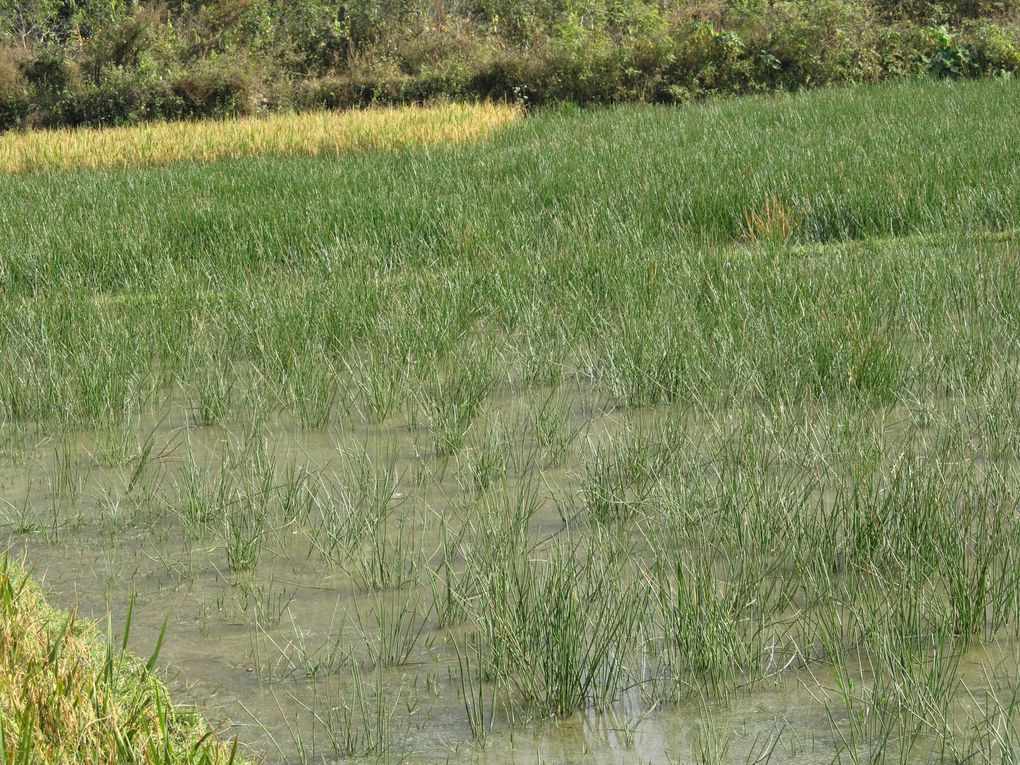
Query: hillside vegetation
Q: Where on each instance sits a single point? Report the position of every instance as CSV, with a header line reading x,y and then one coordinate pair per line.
x,y
95,62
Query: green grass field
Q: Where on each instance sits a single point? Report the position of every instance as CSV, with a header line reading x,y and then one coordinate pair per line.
x,y
641,432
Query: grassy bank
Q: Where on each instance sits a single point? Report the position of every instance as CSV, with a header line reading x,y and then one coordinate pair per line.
x,y
66,696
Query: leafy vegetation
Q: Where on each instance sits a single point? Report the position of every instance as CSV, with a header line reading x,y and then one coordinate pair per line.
x,y
86,62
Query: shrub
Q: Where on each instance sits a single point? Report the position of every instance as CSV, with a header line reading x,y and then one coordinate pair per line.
x,y
14,101
121,98
212,89
993,48
233,57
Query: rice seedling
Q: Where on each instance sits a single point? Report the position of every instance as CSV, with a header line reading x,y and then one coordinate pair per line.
x,y
302,654
387,559
620,475
556,639
204,495
358,723
698,646
470,666
383,380
313,391
554,434
214,390
398,624
356,508
70,472
20,516
487,459
454,399
267,603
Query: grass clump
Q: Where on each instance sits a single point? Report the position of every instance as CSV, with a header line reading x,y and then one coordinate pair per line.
x,y
67,697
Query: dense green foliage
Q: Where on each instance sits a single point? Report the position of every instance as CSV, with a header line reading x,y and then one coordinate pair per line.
x,y
75,62
551,226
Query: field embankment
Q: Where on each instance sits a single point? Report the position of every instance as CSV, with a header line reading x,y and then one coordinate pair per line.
x,y
68,697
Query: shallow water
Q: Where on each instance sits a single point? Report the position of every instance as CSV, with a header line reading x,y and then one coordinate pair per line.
x,y
271,655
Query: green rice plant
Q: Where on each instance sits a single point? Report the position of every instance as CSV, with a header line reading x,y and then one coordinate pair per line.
x,y
313,390
542,349
383,379
244,531
213,388
354,721
304,654
451,588
550,423
620,475
267,603
117,517
710,744
470,667
13,441
697,644
398,623
487,459
21,517
504,519
454,397
299,492
387,559
356,509
642,359
115,442
558,638
991,733
70,472
204,495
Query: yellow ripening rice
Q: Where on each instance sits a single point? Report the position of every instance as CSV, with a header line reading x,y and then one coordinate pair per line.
x,y
311,134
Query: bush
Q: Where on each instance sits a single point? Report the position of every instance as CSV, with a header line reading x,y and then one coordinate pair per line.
x,y
121,98
14,100
212,89
232,57
993,48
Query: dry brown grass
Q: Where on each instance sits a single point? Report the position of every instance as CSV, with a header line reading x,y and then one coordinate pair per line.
x,y
772,224
312,134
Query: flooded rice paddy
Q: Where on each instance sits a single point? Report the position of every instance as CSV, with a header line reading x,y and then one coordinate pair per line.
x,y
701,587
637,434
